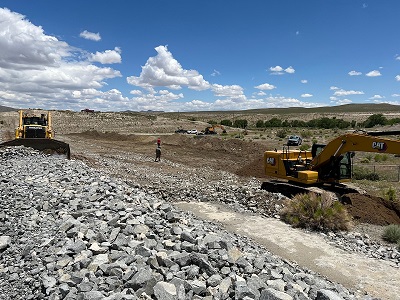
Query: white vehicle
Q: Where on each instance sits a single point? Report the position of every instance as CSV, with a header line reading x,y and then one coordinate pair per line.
x,y
193,131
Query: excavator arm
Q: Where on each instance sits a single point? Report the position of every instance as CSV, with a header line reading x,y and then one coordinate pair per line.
x,y
356,142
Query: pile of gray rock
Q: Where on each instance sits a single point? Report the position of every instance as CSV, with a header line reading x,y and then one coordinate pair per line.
x,y
70,232
241,194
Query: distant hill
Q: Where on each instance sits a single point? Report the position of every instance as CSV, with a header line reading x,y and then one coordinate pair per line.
x,y
350,108
6,109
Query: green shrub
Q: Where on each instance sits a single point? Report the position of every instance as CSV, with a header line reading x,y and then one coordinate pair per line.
x,y
360,173
365,160
391,233
318,212
304,147
226,122
306,134
390,194
281,133
380,157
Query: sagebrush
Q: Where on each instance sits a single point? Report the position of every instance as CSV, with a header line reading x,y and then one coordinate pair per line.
x,y
316,212
391,233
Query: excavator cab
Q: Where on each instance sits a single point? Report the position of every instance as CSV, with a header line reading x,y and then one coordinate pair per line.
x,y
338,168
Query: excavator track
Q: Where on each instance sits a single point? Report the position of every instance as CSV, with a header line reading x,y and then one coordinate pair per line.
x,y
290,190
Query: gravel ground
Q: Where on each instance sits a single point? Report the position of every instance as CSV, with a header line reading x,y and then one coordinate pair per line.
x,y
42,259
71,232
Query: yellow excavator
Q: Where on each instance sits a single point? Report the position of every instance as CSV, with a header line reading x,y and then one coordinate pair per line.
x,y
35,131
326,166
211,129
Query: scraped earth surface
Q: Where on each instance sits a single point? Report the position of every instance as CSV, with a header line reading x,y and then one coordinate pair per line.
x,y
243,158
210,160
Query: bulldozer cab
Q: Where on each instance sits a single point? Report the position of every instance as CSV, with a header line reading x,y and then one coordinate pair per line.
x,y
42,120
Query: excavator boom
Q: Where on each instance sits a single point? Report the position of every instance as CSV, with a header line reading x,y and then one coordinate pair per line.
x,y
354,142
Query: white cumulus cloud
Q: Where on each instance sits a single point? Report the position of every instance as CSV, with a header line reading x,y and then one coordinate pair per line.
x,y
265,86
354,73
342,92
231,91
306,95
90,36
373,73
304,81
290,70
107,57
39,70
278,70
375,97
163,70
397,78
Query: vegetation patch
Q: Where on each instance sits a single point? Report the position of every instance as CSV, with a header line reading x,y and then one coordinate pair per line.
x,y
316,212
360,173
391,233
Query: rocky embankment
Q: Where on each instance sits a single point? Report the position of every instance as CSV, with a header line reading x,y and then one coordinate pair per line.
x,y
70,232
240,194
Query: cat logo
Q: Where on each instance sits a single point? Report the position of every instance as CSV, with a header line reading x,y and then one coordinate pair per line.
x,y
381,146
271,161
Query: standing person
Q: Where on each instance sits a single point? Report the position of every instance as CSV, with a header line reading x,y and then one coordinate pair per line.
x,y
158,152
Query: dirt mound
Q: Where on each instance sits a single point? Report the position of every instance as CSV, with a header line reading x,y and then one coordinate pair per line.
x,y
114,136
372,210
254,168
94,134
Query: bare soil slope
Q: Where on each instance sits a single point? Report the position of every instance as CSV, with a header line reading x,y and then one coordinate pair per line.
x,y
237,156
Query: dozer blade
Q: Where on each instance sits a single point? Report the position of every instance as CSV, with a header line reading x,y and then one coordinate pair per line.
x,y
44,145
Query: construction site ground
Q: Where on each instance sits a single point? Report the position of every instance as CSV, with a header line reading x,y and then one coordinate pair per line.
x,y
244,158
241,157
92,138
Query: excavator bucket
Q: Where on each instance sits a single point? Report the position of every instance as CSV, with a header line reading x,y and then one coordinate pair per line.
x,y
41,144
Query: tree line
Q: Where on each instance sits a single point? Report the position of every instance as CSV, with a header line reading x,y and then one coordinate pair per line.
x,y
323,123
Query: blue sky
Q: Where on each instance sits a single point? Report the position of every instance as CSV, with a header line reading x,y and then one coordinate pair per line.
x,y
190,55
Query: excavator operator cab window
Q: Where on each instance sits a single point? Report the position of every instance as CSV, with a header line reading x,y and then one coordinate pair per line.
x,y
345,166
316,149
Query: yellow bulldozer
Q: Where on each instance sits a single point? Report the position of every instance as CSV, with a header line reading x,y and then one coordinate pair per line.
x,y
35,131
